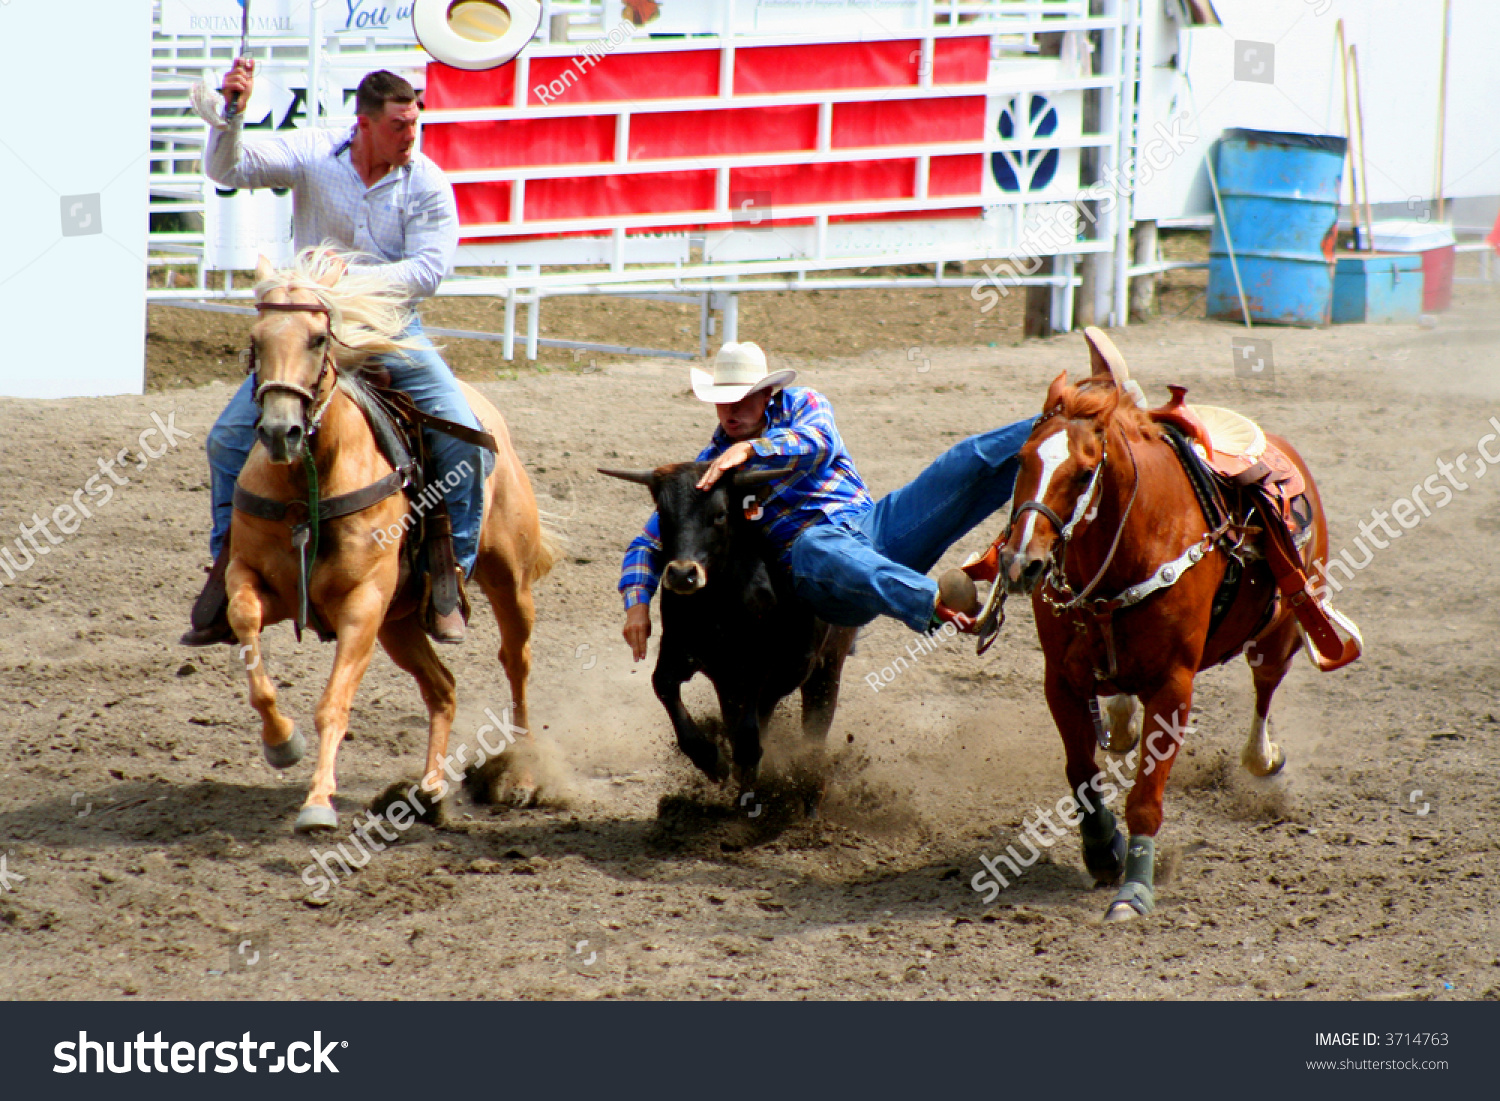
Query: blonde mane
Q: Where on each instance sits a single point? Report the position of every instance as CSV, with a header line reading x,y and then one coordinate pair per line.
x,y
366,311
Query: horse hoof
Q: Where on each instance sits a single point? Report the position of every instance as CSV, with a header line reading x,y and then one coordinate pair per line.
x,y
521,796
1278,762
1106,864
1134,900
710,761
286,754
312,818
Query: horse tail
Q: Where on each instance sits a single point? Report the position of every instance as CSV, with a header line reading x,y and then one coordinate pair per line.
x,y
549,548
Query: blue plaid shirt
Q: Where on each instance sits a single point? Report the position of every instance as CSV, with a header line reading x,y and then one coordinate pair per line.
x,y
799,433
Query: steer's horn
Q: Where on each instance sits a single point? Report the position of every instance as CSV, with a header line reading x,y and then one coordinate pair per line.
x,y
761,477
639,477
1105,357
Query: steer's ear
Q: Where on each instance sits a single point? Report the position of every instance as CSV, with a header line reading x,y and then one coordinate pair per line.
x,y
749,478
639,477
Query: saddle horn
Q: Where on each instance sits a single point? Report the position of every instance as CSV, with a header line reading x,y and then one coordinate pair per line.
x,y
639,477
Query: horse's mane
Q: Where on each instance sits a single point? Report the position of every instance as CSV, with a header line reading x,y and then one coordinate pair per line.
x,y
1089,398
366,311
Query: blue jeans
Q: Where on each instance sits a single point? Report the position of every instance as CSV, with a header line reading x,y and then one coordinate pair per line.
x,y
420,372
875,564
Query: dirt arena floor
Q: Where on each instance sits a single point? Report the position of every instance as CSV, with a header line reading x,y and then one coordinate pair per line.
x,y
149,851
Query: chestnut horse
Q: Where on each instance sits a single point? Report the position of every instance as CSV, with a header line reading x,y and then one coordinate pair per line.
x,y
1096,457
318,321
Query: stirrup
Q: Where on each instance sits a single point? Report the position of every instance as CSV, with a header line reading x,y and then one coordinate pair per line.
x,y
985,566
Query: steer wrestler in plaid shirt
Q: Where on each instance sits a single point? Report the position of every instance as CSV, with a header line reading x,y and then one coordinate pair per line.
x,y
851,557
368,190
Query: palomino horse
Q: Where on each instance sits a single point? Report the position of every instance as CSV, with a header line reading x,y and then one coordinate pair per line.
x,y
318,321
1124,596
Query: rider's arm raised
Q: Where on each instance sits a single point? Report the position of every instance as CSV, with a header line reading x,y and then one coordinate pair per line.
x,y
232,163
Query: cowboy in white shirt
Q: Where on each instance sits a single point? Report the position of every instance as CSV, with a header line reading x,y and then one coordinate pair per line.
x,y
366,189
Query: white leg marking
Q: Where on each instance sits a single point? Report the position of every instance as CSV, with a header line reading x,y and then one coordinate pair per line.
x,y
1261,756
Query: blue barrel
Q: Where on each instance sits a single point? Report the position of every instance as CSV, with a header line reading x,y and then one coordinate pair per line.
x,y
1281,203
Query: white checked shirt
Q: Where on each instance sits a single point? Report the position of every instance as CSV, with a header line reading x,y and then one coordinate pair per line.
x,y
409,219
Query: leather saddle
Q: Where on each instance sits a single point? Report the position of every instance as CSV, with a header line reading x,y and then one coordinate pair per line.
x,y
1234,447
1256,481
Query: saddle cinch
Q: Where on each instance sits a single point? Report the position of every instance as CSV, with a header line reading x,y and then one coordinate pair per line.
x,y
1253,472
427,551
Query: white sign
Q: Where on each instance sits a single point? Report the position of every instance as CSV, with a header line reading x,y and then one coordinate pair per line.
x,y
384,19
73,201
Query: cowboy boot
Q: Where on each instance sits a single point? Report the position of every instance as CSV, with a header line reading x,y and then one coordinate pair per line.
x,y
447,609
210,615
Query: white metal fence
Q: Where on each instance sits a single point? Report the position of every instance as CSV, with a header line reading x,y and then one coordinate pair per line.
x,y
615,258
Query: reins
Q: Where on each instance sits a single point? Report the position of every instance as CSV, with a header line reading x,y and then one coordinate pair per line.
x,y
1057,575
316,408
305,534
1101,611
1083,512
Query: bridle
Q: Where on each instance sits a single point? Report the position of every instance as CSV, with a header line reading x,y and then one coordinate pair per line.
x,y
1083,512
316,406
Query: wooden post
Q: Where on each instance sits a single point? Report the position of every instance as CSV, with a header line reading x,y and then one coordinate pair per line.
x,y
1143,287
1037,320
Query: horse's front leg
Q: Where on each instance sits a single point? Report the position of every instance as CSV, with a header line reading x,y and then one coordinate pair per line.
x,y
359,620
281,741
1166,719
1093,791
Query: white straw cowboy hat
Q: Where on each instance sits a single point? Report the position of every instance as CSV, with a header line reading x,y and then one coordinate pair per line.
x,y
739,369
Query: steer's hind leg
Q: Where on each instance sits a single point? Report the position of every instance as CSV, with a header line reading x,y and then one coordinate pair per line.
x,y
820,699
672,670
820,692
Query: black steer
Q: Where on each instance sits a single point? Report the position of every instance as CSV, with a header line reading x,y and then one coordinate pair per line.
x,y
729,612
